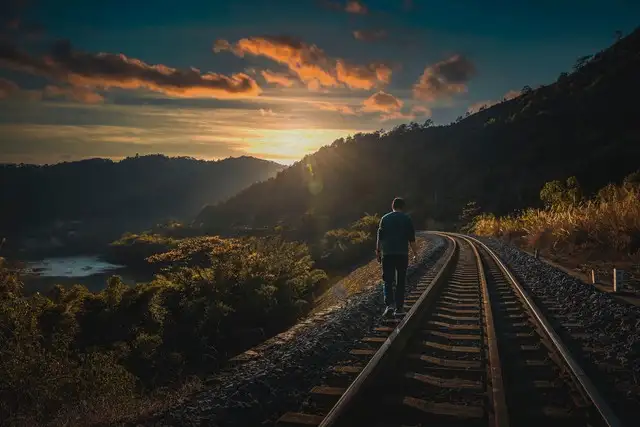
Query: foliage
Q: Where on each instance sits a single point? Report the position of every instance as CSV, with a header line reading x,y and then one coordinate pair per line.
x,y
76,352
469,212
103,197
610,220
133,249
344,247
559,195
499,157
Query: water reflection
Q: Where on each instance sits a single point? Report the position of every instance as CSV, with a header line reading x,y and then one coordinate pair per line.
x,y
76,266
88,270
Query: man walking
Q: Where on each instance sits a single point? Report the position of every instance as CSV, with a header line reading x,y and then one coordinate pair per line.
x,y
395,234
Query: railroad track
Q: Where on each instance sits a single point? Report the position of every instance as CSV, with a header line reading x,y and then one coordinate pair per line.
x,y
472,350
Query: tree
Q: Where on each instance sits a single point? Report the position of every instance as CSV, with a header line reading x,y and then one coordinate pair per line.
x,y
526,89
632,180
470,211
428,123
557,194
581,62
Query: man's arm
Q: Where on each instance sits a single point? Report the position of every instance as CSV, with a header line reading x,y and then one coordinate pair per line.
x,y
379,237
412,239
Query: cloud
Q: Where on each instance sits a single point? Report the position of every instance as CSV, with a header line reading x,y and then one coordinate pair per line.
x,y
362,76
420,110
74,93
444,79
7,88
13,58
278,78
357,7
309,63
475,107
107,70
415,112
383,102
340,108
370,35
351,6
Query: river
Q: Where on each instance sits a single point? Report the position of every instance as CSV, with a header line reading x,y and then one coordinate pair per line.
x,y
88,270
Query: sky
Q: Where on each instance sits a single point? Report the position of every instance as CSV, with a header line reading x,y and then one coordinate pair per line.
x,y
274,79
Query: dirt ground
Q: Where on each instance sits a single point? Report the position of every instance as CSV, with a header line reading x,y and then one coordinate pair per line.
x,y
579,265
361,278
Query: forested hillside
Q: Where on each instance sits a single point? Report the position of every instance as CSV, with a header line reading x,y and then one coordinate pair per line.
x,y
585,125
122,195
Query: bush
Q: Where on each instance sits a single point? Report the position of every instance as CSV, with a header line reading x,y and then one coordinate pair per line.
x,y
75,354
610,220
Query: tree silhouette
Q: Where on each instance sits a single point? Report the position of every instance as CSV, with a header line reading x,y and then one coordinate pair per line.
x,y
581,62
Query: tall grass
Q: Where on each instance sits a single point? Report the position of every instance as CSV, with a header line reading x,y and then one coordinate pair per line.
x,y
610,221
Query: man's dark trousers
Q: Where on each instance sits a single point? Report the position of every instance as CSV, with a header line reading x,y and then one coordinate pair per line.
x,y
392,264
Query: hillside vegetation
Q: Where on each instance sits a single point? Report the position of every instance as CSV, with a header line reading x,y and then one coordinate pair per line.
x,y
569,221
101,196
584,125
600,232
73,357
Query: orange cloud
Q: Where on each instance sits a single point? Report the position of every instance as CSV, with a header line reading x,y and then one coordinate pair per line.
x,y
416,111
106,70
309,63
357,7
278,78
342,109
370,35
362,76
74,93
444,79
7,88
420,110
383,102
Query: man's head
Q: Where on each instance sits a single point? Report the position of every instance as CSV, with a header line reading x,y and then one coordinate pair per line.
x,y
398,204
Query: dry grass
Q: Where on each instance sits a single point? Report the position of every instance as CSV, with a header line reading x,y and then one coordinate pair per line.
x,y
130,411
601,233
610,222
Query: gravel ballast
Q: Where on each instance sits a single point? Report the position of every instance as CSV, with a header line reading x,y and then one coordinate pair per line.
x,y
612,327
284,369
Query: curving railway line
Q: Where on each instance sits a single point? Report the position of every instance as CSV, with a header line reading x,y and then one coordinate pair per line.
x,y
472,350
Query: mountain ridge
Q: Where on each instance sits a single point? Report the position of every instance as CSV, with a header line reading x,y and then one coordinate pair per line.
x,y
582,125
132,193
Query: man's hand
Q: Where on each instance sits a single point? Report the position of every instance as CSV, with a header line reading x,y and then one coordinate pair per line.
x,y
414,249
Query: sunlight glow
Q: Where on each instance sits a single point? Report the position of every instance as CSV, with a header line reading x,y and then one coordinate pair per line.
x,y
288,146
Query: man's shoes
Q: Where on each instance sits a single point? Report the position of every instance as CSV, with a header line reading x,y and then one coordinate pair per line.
x,y
399,312
388,312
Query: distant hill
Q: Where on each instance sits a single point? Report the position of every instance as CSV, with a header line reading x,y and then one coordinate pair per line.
x,y
120,195
585,124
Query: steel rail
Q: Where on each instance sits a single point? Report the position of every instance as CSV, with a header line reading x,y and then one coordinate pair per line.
x,y
500,412
587,385
390,349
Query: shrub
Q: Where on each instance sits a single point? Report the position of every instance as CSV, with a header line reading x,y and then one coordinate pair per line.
x,y
611,219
